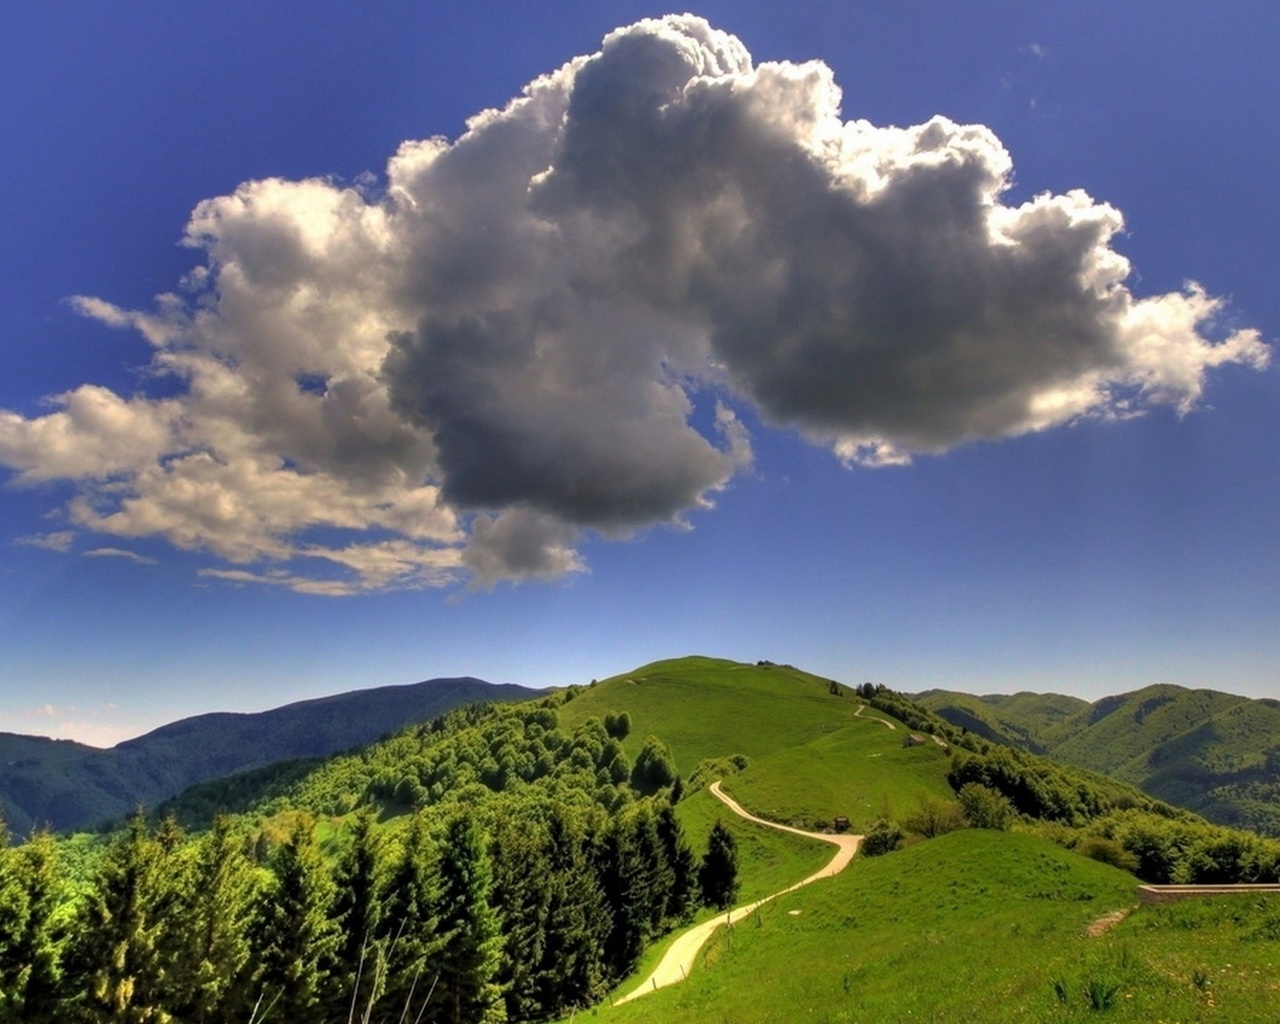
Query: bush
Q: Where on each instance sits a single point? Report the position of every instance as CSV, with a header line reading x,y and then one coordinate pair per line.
x,y
985,807
1108,851
883,837
654,766
936,818
618,726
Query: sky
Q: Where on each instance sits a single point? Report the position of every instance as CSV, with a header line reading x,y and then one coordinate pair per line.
x,y
346,345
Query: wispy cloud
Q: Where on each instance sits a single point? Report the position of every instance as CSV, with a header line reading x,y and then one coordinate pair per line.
x,y
518,337
131,556
60,540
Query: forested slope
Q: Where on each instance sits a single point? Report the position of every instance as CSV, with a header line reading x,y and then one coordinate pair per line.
x,y
68,786
1215,753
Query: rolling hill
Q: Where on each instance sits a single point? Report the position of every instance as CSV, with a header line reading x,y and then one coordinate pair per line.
x,y
67,785
1215,753
1030,919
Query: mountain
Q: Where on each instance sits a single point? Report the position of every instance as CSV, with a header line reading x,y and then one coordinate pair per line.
x,y
69,785
1215,753
1025,720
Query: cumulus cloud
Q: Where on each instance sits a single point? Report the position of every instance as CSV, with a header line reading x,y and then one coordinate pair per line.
x,y
542,329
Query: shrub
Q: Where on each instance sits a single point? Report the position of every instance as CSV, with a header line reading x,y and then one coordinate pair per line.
x,y
618,726
1108,851
654,766
883,837
985,807
936,818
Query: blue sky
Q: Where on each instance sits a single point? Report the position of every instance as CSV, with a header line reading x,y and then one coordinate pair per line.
x,y
717,374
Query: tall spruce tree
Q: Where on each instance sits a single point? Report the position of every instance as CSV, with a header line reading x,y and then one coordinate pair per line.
x,y
293,935
621,876
471,935
571,972
408,929
34,992
210,930
117,964
522,884
718,873
684,870
358,973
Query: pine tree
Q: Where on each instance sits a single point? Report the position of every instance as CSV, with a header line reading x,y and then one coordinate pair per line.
x,y
211,925
718,874
684,872
118,961
654,874
407,931
358,974
623,883
293,936
13,923
522,885
468,961
35,992
571,971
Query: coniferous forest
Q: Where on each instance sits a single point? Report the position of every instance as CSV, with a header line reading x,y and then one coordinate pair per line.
x,y
504,871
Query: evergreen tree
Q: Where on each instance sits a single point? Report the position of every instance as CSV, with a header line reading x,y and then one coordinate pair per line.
x,y
293,935
718,874
468,961
655,877
13,922
622,880
33,990
684,872
571,972
358,973
117,973
408,932
522,888
210,930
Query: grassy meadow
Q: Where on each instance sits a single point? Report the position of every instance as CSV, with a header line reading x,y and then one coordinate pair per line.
x,y
973,925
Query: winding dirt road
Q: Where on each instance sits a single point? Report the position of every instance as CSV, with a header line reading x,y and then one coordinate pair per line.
x,y
678,960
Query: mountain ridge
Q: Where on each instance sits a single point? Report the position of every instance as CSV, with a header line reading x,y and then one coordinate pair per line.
x,y
1215,753
66,785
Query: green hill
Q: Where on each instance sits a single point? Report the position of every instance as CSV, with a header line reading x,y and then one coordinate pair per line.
x,y
68,786
587,810
1215,753
1025,720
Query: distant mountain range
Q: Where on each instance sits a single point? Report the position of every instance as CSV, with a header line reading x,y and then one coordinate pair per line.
x,y
1214,753
67,785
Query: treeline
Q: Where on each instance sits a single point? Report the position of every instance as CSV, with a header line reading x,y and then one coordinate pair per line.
x,y
542,911
460,757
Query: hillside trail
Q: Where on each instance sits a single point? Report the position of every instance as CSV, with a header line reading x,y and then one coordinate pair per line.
x,y
678,960
882,721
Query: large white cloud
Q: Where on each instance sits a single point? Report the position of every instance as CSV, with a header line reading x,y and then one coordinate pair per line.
x,y
524,333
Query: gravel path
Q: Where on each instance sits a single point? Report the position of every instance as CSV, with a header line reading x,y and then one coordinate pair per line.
x,y
678,960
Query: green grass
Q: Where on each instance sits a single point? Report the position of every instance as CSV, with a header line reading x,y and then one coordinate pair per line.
x,y
977,926
861,771
707,707
768,860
